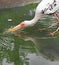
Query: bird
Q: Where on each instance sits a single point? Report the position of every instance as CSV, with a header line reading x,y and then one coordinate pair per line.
x,y
45,7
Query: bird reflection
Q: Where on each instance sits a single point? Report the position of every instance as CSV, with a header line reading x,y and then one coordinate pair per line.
x,y
47,46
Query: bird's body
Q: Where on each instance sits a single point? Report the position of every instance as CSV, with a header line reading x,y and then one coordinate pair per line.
x,y
48,6
43,8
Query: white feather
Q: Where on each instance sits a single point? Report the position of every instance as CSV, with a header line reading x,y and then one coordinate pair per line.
x,y
45,4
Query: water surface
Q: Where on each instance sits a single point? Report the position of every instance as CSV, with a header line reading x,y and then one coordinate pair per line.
x,y
29,46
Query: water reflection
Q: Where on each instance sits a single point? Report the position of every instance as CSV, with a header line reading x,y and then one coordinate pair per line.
x,y
25,49
44,49
5,62
48,49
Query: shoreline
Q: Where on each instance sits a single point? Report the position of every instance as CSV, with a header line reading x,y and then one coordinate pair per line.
x,y
2,6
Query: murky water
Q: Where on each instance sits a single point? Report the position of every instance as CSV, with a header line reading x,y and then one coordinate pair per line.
x,y
29,46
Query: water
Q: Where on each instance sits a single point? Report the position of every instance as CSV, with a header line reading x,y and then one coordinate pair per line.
x,y
29,46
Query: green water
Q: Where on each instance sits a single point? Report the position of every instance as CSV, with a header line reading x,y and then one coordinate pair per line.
x,y
29,46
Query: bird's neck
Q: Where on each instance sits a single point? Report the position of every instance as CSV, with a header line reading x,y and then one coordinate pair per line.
x,y
35,20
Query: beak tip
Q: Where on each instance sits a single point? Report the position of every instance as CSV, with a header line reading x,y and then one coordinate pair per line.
x,y
15,28
10,30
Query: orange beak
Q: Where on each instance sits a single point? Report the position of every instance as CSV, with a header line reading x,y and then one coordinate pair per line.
x,y
20,26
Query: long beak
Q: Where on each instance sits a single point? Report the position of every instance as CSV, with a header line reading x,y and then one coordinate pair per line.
x,y
20,26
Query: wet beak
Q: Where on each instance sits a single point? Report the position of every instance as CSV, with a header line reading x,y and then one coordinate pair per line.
x,y
20,26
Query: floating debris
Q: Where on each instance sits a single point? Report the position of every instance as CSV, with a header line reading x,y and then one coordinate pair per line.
x,y
9,19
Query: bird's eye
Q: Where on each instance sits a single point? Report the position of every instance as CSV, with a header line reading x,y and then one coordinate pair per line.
x,y
22,25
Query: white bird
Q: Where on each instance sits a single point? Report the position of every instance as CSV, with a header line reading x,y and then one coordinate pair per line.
x,y
44,7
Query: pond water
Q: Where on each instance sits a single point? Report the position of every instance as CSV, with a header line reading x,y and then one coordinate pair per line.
x,y
29,46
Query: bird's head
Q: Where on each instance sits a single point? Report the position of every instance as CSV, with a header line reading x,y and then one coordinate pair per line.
x,y
19,26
